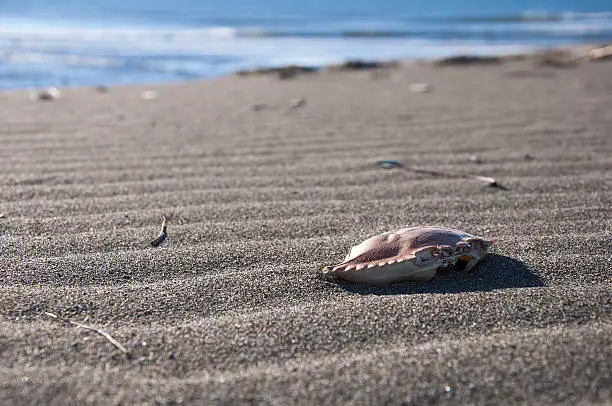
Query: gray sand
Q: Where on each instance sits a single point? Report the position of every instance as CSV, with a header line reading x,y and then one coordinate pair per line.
x,y
233,307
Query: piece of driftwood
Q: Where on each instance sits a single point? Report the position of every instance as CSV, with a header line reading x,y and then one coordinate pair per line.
x,y
603,53
104,334
388,164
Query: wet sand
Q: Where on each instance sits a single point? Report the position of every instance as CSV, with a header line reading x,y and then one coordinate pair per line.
x,y
263,191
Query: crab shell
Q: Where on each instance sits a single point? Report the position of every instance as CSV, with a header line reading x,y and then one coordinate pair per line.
x,y
410,254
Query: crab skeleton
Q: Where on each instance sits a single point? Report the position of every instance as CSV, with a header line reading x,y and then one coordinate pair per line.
x,y
410,254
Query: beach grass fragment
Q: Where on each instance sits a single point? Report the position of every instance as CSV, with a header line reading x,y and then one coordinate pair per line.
x,y
162,234
389,164
103,333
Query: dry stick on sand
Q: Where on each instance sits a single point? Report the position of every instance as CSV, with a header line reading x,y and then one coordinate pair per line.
x,y
388,164
85,326
162,234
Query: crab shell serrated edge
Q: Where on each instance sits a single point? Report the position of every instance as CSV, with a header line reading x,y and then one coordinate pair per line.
x,y
423,268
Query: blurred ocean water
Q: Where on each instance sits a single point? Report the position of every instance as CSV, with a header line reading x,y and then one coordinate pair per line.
x,y
105,42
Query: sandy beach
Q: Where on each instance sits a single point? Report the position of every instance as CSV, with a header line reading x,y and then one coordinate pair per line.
x,y
265,181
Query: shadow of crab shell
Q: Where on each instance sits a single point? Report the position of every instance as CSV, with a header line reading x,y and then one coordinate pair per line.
x,y
491,273
462,263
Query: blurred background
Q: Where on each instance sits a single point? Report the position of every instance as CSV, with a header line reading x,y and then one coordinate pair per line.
x,y
107,42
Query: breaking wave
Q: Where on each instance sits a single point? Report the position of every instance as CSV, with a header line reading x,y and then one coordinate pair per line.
x,y
536,16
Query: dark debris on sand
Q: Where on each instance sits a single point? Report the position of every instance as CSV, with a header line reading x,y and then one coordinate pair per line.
x,y
282,72
359,64
468,60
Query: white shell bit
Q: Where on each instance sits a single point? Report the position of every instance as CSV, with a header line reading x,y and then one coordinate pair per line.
x,y
410,254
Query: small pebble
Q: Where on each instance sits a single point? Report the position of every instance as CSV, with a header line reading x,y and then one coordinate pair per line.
x,y
149,95
476,159
2,215
528,157
420,88
295,103
49,94
258,106
388,164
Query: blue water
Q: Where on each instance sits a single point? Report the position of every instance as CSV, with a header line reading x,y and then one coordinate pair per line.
x,y
105,42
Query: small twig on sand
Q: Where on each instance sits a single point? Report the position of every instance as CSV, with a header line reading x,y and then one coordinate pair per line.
x,y
162,234
85,326
388,164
